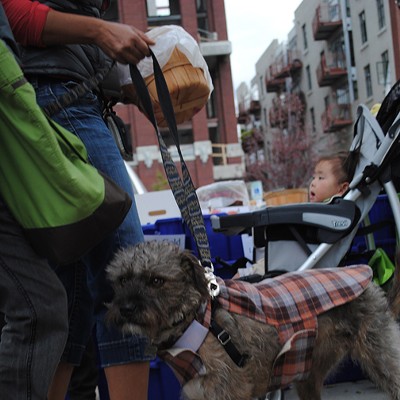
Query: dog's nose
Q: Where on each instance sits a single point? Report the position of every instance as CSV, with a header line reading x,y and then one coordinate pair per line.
x,y
128,311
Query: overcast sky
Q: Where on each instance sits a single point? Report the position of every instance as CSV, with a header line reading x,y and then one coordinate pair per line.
x,y
252,26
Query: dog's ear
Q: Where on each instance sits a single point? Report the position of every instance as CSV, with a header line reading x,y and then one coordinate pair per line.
x,y
197,272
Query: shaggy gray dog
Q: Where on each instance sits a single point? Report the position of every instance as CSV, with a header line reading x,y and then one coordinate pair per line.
x,y
159,291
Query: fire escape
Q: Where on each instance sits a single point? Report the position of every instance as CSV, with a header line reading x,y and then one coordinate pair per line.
x,y
332,70
286,106
282,68
326,21
249,114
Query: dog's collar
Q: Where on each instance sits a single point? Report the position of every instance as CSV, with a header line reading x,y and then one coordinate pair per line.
x,y
191,339
194,334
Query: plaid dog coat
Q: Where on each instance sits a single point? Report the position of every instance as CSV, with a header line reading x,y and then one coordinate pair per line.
x,y
290,303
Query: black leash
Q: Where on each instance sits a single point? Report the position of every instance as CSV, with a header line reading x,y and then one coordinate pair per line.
x,y
182,188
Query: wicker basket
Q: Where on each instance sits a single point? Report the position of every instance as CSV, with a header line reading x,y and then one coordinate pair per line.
x,y
286,196
187,86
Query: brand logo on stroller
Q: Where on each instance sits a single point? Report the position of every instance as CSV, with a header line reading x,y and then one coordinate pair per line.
x,y
340,223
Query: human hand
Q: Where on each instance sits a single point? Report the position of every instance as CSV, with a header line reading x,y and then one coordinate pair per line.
x,y
123,43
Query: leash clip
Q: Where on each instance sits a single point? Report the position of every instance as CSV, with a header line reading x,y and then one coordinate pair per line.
x,y
213,287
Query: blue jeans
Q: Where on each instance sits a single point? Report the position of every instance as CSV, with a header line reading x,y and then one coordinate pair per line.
x,y
84,118
34,304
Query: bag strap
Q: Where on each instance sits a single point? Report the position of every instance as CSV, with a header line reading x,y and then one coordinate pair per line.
x,y
182,188
78,91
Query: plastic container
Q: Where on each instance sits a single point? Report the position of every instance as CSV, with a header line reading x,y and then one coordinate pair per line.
x,y
384,237
163,384
149,229
170,226
381,211
222,246
169,229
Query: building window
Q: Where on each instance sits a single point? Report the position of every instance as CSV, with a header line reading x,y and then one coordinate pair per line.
x,y
348,8
162,8
308,72
185,136
342,96
368,81
303,28
312,117
363,27
262,85
385,62
265,116
385,59
381,14
383,69
210,106
202,19
355,90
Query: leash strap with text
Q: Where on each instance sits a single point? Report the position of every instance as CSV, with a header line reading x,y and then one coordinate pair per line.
x,y
182,188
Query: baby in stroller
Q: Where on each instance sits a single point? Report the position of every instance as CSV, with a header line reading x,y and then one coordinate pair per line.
x,y
331,178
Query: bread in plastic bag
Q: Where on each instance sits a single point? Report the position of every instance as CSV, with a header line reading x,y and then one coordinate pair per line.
x,y
185,71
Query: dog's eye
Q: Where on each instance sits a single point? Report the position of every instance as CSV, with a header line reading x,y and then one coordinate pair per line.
x,y
156,282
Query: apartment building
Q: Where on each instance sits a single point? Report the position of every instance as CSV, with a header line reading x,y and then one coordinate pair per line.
x,y
339,53
209,142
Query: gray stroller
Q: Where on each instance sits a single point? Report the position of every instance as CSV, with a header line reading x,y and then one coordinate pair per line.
x,y
319,235
311,235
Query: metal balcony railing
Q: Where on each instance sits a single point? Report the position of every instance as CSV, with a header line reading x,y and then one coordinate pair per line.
x,y
326,21
331,68
336,117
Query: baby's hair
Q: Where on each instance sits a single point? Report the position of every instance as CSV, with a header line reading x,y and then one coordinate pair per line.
x,y
340,165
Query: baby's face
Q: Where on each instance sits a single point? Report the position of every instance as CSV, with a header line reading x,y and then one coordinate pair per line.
x,y
324,184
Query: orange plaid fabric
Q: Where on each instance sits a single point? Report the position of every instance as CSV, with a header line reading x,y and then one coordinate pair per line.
x,y
290,302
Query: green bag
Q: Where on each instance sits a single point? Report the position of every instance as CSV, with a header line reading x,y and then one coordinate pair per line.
x,y
382,266
63,203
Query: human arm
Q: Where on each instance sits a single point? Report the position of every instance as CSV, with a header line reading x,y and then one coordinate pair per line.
x,y
121,42
27,19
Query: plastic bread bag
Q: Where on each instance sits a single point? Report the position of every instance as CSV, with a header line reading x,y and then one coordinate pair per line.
x,y
167,38
223,194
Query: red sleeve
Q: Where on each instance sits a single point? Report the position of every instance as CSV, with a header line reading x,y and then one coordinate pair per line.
x,y
27,19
